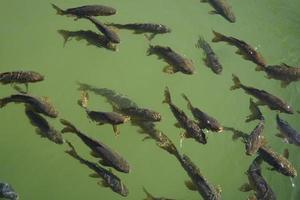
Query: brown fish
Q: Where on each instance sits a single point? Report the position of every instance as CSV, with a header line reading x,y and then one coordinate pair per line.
x,y
222,8
177,63
244,49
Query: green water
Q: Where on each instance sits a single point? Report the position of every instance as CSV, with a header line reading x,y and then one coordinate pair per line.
x,y
39,169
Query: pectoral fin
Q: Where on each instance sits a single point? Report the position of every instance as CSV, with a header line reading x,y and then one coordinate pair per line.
x,y
103,183
94,175
213,12
286,153
116,130
280,135
190,185
105,163
245,187
177,125
94,154
170,69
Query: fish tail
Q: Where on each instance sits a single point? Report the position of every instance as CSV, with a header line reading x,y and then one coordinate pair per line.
x,y
65,34
218,37
149,196
236,81
58,10
150,50
69,128
189,105
167,96
201,42
84,98
72,152
255,112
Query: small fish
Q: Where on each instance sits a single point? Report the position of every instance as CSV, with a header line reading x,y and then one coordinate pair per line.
x,y
109,157
140,28
108,178
257,182
283,72
91,37
39,105
7,192
222,8
265,98
43,127
244,49
211,59
151,197
291,135
177,63
255,112
255,140
199,182
191,127
205,121
108,32
86,11
279,163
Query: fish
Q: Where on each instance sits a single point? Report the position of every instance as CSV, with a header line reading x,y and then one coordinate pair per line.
x,y
257,182
198,181
86,11
20,77
265,98
279,163
192,129
177,63
151,197
91,37
287,132
111,35
255,140
43,127
255,112
40,105
109,157
7,192
244,49
140,28
222,8
205,120
283,72
108,178
211,59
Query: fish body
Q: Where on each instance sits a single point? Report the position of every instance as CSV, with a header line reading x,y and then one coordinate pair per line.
x,y
199,182
277,161
244,49
109,33
287,132
177,62
211,59
20,77
191,127
7,192
108,156
223,8
143,27
109,179
265,98
255,140
40,105
43,126
205,120
86,11
91,37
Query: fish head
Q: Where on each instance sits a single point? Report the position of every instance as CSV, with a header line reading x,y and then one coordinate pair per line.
x,y
120,188
214,126
163,29
288,109
229,15
36,77
289,169
57,137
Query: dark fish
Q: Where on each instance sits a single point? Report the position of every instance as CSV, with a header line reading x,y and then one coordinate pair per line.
x,y
43,127
222,8
7,192
199,182
211,59
140,28
191,127
109,33
151,197
177,63
91,37
255,112
244,49
86,11
283,72
108,178
255,140
265,98
291,135
39,105
99,149
257,182
205,121
277,161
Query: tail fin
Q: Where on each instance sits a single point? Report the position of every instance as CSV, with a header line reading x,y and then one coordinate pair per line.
x,y
167,96
149,196
201,42
65,34
58,10
69,128
72,152
150,50
255,112
84,98
218,37
189,105
236,81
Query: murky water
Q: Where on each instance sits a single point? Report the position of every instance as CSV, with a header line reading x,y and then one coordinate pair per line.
x,y
40,169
